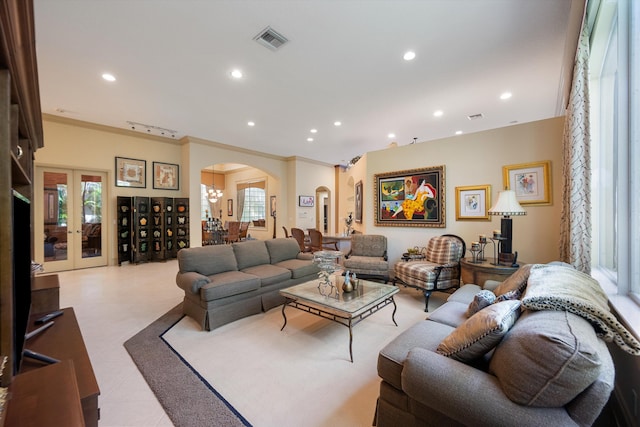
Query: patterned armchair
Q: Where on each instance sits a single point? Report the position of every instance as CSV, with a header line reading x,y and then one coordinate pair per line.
x,y
439,270
368,257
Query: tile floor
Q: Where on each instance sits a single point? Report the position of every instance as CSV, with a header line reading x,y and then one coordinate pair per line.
x,y
112,304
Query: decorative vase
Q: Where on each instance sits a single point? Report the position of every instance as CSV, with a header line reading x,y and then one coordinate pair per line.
x,y
347,286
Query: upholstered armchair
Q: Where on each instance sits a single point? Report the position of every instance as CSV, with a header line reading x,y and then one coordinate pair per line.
x,y
368,257
439,270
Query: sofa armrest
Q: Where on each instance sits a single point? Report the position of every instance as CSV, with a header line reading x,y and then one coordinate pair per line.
x,y
191,281
469,395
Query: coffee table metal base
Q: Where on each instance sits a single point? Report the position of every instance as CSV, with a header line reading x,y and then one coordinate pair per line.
x,y
345,320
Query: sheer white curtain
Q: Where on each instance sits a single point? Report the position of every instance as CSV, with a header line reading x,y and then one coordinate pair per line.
x,y
575,225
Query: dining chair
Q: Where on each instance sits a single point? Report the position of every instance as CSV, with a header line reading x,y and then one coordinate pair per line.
x,y
298,234
286,232
317,244
233,232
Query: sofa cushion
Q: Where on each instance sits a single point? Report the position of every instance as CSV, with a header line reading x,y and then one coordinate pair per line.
x,y
207,260
547,358
362,263
481,332
282,249
228,283
452,313
465,294
299,267
481,300
425,334
250,253
517,280
269,274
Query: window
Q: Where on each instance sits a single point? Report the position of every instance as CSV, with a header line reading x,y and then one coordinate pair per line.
x,y
254,204
615,116
252,200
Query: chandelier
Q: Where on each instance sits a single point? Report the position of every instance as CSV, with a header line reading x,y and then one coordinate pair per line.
x,y
213,194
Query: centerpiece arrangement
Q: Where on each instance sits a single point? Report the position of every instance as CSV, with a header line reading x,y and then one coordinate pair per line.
x,y
329,263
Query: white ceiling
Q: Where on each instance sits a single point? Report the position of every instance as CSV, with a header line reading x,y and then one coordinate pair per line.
x,y
172,60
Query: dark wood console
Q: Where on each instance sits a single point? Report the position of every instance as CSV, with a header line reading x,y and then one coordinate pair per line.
x,y
62,341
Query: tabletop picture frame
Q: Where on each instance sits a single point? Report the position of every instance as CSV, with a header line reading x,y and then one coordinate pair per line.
x,y
166,176
411,198
131,172
530,181
473,202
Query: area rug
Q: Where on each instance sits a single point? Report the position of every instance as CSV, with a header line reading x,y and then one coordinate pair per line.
x,y
186,397
251,373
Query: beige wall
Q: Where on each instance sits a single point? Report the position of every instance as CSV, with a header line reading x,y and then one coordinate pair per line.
x,y
473,159
77,145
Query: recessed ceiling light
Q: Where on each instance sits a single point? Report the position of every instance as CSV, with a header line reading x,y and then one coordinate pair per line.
x,y
309,139
236,74
505,95
251,123
314,131
391,135
458,132
438,113
109,77
408,56
337,123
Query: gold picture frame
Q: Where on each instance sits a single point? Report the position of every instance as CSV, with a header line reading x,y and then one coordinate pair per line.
x,y
473,203
530,181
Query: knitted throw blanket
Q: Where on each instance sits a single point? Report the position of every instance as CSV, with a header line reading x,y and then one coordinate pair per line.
x,y
553,287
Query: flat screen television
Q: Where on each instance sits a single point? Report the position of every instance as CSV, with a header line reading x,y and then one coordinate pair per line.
x,y
21,276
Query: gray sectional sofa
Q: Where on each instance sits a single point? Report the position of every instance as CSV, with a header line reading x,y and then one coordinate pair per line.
x,y
515,356
228,282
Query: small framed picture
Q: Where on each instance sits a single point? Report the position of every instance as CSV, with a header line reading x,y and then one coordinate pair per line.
x,y
229,207
530,181
131,173
306,201
473,202
165,176
272,205
359,202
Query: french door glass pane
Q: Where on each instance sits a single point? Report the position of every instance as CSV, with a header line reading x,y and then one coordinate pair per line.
x,y
91,215
55,216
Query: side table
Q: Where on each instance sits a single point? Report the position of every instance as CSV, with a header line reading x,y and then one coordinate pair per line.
x,y
481,272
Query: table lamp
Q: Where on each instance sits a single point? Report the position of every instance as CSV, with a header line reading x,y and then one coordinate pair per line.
x,y
507,206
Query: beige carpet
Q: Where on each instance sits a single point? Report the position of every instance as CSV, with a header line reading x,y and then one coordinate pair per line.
x,y
301,376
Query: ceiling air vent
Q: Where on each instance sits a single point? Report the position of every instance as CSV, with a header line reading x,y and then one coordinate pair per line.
x,y
475,116
270,38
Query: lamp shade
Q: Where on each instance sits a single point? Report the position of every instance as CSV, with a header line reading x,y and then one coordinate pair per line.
x,y
507,205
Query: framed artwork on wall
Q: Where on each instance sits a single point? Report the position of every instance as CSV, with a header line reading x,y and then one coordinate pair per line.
x,y
131,172
410,198
165,176
473,202
358,202
229,207
530,181
306,201
272,205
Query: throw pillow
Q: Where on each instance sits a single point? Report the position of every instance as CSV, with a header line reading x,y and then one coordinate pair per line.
x,y
513,294
517,280
482,299
481,332
547,359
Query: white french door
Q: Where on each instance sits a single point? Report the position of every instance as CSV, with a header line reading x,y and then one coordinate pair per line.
x,y
71,217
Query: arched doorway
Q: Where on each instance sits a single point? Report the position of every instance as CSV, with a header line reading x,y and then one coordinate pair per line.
x,y
323,209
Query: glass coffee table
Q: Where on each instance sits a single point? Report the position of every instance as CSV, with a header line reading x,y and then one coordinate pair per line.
x,y
347,309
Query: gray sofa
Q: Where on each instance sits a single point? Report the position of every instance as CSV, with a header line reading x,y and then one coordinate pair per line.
x,y
507,366
228,282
